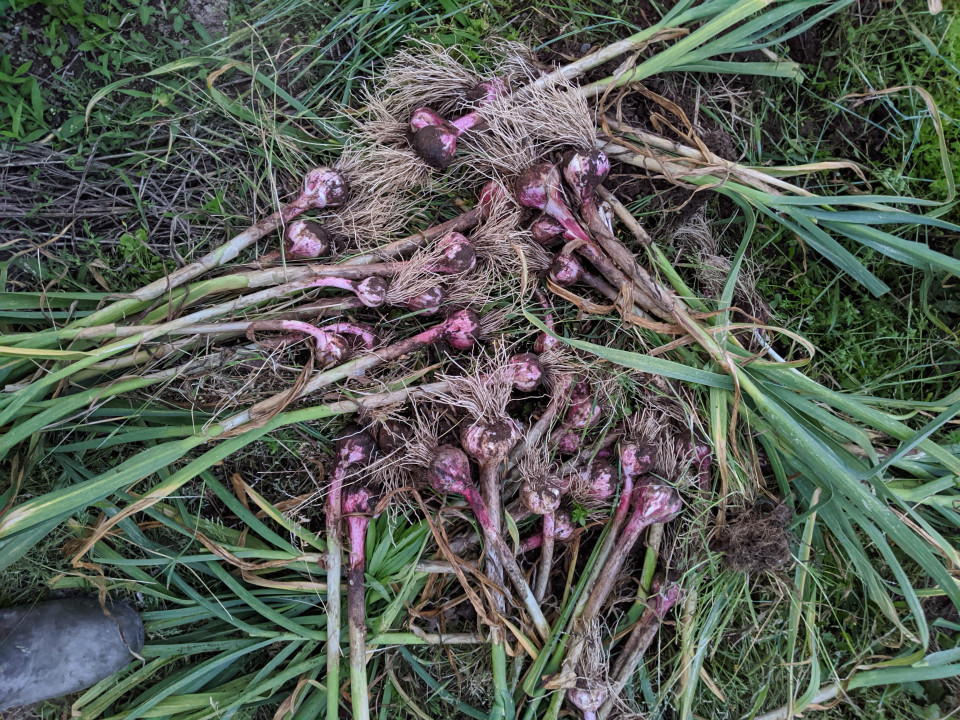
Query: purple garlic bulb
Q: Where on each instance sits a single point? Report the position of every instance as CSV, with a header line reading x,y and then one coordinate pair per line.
x,y
584,172
541,494
545,230
323,187
490,442
656,503
449,471
565,270
459,255
601,479
637,459
526,370
462,329
428,302
306,239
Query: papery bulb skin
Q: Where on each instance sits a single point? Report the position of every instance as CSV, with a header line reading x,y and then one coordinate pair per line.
x,y
459,255
491,195
664,598
372,291
487,91
526,371
306,239
449,471
545,342
563,526
566,270
637,459
354,447
393,435
541,494
428,302
588,695
436,145
584,411
545,230
601,481
424,117
323,187
462,329
359,500
656,503
334,350
584,172
490,442
532,187
567,442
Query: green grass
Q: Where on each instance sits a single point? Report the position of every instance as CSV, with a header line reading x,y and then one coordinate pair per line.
x,y
226,145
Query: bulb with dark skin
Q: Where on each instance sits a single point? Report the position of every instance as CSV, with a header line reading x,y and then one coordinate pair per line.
x,y
393,435
434,139
541,495
371,291
428,302
331,344
490,443
459,255
601,481
566,270
545,230
322,187
584,173
526,371
306,239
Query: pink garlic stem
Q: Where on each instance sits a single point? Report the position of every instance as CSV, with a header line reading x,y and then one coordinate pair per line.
x,y
640,640
651,504
358,503
538,187
363,332
354,447
371,291
546,558
449,472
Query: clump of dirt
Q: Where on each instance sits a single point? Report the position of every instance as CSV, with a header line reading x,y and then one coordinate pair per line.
x,y
756,539
212,14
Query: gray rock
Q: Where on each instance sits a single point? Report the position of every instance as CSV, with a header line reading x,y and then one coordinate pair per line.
x,y
59,647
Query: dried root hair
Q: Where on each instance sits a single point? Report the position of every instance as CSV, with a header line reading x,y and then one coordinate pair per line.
x,y
431,76
658,424
484,390
593,659
523,128
404,467
535,463
415,279
382,202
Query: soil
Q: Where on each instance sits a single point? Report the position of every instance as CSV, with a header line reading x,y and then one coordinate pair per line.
x,y
212,14
756,540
